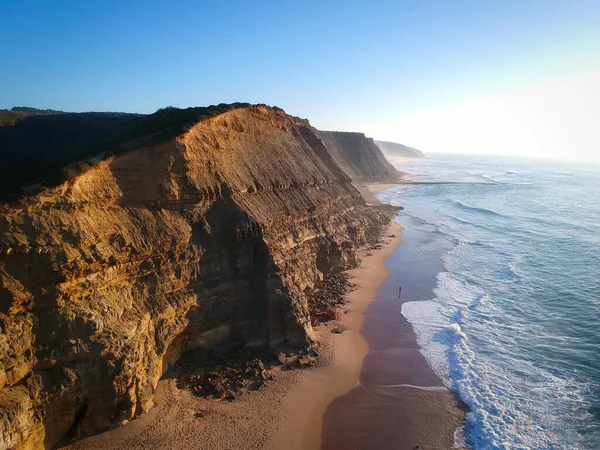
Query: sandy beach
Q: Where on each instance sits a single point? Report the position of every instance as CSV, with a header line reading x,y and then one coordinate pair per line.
x,y
309,408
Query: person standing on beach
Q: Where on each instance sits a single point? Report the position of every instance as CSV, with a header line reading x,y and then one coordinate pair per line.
x,y
399,291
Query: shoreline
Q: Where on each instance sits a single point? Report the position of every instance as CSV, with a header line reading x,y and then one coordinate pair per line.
x,y
342,354
399,401
289,412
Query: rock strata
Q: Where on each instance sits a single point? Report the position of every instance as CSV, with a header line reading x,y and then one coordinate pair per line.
x,y
212,237
358,156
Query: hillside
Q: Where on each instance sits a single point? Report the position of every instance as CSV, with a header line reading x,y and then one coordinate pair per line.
x,y
14,115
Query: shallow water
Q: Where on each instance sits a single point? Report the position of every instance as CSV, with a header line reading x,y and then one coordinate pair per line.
x,y
513,325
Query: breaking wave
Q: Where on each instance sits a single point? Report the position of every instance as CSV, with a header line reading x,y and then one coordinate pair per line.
x,y
476,209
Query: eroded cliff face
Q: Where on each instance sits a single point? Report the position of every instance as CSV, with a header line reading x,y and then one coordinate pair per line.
x,y
210,238
358,156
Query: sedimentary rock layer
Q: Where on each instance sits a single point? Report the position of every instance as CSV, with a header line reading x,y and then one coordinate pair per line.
x,y
209,238
358,156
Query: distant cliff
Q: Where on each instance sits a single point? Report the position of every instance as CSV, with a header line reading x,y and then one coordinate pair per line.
x,y
194,236
393,150
358,156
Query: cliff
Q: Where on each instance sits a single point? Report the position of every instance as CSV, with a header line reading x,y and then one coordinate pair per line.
x,y
35,148
214,236
393,150
358,156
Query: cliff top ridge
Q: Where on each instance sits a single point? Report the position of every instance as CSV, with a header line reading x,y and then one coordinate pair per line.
x,y
37,145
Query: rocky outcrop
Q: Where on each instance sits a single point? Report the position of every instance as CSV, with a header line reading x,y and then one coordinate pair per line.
x,y
358,156
213,237
393,150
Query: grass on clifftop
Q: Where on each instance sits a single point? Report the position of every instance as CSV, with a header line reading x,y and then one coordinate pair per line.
x,y
36,144
12,116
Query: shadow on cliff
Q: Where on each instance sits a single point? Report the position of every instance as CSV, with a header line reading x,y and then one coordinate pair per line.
x,y
238,299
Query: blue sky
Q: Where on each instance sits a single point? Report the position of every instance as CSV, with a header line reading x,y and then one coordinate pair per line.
x,y
373,66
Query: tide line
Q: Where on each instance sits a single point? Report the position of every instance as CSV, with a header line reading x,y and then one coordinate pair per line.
x,y
410,386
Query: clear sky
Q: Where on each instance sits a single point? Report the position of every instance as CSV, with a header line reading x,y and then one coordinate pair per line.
x,y
485,76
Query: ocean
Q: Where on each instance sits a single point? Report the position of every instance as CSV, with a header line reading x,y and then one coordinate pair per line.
x,y
513,324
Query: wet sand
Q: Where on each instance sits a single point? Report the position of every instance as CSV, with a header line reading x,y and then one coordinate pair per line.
x,y
399,402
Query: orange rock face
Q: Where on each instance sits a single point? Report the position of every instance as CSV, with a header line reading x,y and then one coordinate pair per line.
x,y
208,238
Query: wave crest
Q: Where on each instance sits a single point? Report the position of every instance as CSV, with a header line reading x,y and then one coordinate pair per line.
x,y
476,209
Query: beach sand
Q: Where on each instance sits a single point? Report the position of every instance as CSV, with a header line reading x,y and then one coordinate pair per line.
x,y
290,411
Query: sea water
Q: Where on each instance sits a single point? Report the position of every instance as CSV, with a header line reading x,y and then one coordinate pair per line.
x,y
513,324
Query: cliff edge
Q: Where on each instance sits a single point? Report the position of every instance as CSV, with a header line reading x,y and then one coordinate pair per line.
x,y
358,156
393,150
211,237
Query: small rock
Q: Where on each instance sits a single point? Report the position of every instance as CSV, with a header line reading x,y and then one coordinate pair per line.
x,y
281,358
338,330
292,360
230,395
217,381
306,361
219,389
257,385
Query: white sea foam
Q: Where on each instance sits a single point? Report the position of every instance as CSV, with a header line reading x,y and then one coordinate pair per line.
x,y
461,220
420,388
514,269
484,176
454,328
493,180
504,395
460,441
427,322
514,404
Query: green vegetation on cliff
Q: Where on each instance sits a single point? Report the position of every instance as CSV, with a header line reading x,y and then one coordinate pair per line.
x,y
36,144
